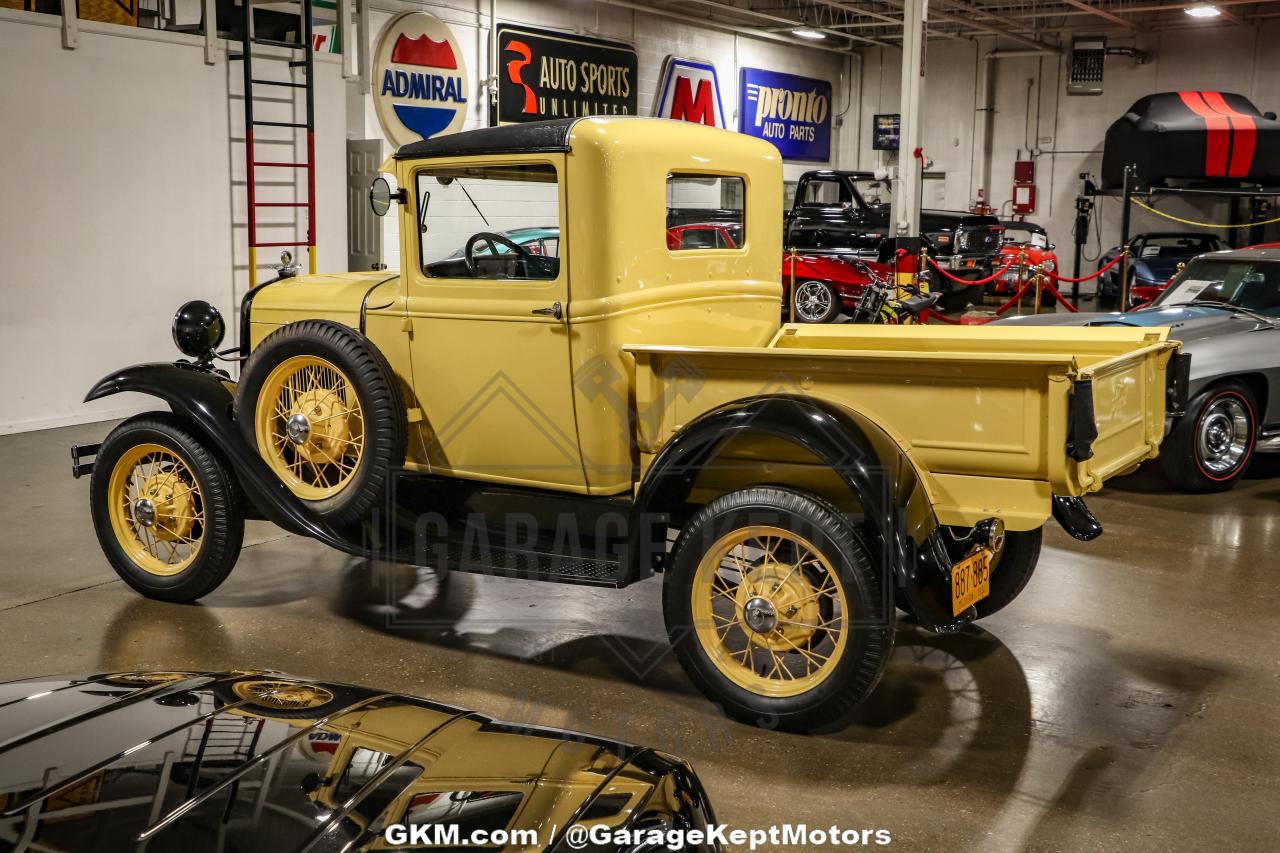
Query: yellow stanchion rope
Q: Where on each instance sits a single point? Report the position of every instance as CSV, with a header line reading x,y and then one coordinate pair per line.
x,y
1201,224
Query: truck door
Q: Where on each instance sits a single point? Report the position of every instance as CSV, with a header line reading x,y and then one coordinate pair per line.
x,y
488,300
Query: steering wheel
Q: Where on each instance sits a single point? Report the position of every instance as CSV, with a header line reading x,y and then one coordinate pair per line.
x,y
493,241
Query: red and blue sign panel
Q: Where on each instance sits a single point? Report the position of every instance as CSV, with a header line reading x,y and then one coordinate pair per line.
x,y
689,91
419,80
792,112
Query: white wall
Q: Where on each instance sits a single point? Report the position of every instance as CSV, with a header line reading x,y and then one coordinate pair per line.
x,y
123,178
1068,129
118,205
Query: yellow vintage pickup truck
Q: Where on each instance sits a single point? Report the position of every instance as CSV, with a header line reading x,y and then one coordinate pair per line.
x,y
560,384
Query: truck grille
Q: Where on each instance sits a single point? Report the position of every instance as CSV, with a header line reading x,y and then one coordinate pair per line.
x,y
978,239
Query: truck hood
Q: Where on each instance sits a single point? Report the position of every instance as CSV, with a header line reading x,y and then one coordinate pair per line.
x,y
949,220
333,296
1187,323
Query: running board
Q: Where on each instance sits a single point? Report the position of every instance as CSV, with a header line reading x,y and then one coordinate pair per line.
x,y
1268,443
532,565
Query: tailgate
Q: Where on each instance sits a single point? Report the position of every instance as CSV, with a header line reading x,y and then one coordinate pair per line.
x,y
1116,413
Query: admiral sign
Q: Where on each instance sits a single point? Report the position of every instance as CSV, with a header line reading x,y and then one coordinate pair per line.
x,y
689,91
792,112
420,85
544,74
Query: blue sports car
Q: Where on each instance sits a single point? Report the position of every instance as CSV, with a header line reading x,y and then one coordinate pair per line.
x,y
1153,260
1225,308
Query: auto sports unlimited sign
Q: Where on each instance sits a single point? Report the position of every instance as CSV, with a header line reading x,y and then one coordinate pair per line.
x,y
420,87
544,74
689,91
792,112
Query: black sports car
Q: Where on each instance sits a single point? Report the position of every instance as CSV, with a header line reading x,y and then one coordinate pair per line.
x,y
259,761
1200,137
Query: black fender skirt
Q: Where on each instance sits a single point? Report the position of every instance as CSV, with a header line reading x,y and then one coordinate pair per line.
x,y
204,399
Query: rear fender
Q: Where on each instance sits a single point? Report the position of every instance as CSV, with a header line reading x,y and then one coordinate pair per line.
x,y
204,399
898,521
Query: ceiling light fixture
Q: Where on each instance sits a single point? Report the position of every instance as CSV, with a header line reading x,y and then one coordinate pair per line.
x,y
807,33
1203,10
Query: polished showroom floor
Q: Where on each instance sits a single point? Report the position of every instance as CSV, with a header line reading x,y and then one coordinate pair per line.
x,y
1130,699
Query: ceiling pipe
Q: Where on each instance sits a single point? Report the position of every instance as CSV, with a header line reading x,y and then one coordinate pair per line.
x,y
711,24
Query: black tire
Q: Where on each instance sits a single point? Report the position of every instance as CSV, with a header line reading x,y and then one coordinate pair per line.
x,y
1010,572
222,528
1012,569
868,644
817,314
1190,464
376,388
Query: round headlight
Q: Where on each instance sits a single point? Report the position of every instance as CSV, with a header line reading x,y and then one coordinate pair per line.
x,y
198,328
1049,266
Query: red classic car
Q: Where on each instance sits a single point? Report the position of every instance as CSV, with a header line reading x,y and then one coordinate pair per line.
x,y
825,285
1022,237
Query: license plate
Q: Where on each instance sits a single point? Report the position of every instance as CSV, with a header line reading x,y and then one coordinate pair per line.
x,y
970,581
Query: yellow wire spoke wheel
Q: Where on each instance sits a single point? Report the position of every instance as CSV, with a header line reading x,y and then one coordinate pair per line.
x,y
309,426
770,611
156,509
282,695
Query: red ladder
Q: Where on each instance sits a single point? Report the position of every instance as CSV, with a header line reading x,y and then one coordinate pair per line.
x,y
252,164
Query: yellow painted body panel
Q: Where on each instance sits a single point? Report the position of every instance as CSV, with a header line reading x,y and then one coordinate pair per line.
x,y
653,338
981,412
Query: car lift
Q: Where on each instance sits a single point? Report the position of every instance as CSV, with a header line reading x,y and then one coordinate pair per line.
x,y
307,48
1259,208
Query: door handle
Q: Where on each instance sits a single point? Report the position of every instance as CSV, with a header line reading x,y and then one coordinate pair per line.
x,y
553,311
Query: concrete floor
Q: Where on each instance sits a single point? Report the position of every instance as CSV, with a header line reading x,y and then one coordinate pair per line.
x,y
1129,699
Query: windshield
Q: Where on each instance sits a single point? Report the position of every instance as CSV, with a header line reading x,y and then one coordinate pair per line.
x,y
1178,245
489,222
1253,285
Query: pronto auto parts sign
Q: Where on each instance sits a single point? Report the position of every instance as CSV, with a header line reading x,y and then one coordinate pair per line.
x,y
420,87
792,112
689,91
544,74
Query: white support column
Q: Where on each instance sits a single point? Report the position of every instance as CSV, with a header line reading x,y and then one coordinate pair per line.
x,y
364,67
70,24
905,211
348,41
210,32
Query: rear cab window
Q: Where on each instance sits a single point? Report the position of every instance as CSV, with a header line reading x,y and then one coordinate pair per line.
x,y
705,212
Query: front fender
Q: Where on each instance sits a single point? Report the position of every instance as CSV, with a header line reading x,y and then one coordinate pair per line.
x,y
204,398
897,516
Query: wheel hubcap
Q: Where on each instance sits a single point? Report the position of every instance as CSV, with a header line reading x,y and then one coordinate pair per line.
x,y
144,512
1224,435
760,615
298,428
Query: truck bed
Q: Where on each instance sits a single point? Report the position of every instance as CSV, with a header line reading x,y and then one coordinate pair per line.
x,y
970,405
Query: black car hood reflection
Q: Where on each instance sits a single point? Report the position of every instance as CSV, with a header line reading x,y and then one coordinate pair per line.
x,y
254,760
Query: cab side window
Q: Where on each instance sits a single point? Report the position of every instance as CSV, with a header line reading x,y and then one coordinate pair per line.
x,y
824,192
705,211
489,222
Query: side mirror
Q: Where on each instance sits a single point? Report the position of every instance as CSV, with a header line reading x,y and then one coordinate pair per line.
x,y
381,196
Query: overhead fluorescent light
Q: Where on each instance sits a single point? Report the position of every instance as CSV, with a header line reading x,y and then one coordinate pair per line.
x,y
1203,10
806,33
